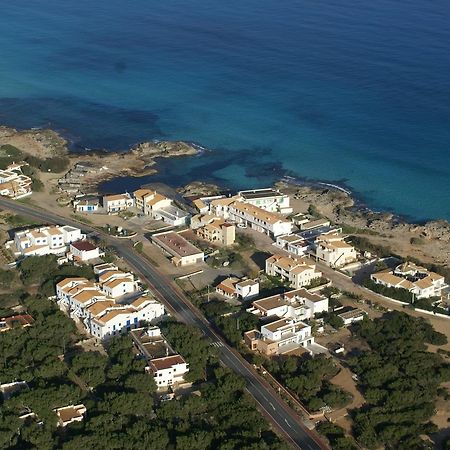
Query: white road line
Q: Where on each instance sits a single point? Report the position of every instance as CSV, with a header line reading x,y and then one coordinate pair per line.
x,y
287,423
273,407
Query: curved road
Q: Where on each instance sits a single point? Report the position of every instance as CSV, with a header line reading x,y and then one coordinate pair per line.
x,y
270,403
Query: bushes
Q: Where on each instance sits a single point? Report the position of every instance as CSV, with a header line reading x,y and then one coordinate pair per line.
x,y
399,294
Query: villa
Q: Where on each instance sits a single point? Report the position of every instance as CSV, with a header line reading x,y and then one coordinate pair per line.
x,y
213,229
182,252
234,287
416,279
13,183
116,203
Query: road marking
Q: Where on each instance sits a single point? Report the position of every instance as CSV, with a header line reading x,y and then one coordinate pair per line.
x,y
287,423
273,407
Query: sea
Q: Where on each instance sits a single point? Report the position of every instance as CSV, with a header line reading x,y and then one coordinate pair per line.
x,y
351,92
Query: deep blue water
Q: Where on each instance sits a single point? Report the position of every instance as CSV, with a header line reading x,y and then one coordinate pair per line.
x,y
353,91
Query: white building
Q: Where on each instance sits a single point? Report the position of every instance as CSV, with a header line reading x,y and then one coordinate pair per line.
x,y
298,271
213,229
75,295
280,337
107,321
159,207
293,244
70,414
334,251
83,251
267,199
86,205
416,279
117,203
45,240
298,304
236,287
169,370
115,283
259,219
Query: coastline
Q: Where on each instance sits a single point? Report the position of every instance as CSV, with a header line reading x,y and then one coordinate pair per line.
x,y
428,239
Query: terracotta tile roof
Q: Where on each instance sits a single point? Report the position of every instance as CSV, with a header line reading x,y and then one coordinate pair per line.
x,y
166,362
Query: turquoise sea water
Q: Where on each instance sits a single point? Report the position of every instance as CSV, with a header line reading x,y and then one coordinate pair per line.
x,y
347,91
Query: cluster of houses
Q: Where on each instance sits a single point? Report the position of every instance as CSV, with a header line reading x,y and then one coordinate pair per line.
x,y
419,281
54,240
13,183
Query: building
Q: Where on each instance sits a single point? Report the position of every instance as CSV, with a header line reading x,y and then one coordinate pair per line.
x,y
45,240
13,183
83,251
299,272
75,295
350,315
169,370
115,283
259,219
70,414
213,229
233,287
416,279
86,204
268,199
183,253
159,207
19,320
108,320
280,337
298,304
332,250
293,244
314,224
118,202
104,267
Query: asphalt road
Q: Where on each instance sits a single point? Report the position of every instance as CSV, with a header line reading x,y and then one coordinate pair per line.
x,y
270,403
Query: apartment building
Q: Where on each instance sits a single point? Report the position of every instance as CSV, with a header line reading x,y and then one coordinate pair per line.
x,y
332,249
293,243
83,251
118,202
115,283
298,271
298,304
44,240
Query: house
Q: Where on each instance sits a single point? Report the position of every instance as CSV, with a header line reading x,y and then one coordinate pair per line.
x,y
108,320
279,337
104,267
169,370
83,251
298,271
259,219
118,202
235,287
13,183
421,282
70,414
86,204
268,199
298,304
213,229
9,389
332,250
160,207
45,240
201,206
19,320
314,224
293,243
183,253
